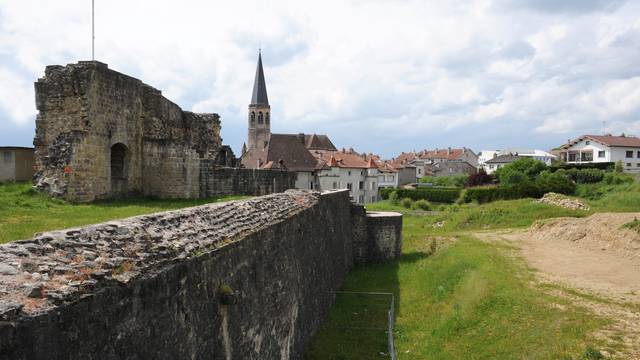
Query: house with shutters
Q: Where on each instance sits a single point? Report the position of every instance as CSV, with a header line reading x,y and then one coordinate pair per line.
x,y
603,149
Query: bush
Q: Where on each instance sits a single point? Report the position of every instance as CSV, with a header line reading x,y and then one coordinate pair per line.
x,y
439,195
393,197
458,180
510,176
619,167
556,182
617,178
512,173
589,176
384,192
480,178
481,194
406,202
422,205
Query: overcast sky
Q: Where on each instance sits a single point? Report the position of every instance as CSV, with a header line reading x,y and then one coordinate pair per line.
x,y
380,76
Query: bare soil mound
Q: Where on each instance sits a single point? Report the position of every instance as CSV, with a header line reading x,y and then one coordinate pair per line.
x,y
602,232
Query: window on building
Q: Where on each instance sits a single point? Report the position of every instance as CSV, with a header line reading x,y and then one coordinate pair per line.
x,y
572,156
335,185
253,118
419,171
260,118
350,186
628,164
7,156
311,185
490,166
349,172
630,153
587,142
361,199
586,156
266,118
638,155
381,178
601,154
361,185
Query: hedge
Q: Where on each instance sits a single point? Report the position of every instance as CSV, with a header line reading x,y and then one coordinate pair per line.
x,y
592,165
526,189
433,194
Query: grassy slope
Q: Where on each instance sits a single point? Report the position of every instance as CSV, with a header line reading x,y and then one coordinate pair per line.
x,y
470,300
24,212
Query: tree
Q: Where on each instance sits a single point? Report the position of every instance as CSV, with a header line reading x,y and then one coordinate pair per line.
x,y
523,168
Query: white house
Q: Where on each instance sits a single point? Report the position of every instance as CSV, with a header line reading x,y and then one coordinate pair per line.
x,y
491,155
603,148
491,165
346,169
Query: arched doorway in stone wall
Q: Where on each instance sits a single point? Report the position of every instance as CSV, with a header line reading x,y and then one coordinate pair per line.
x,y
119,169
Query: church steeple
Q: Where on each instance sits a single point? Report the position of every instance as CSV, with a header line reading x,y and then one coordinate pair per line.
x,y
259,111
259,96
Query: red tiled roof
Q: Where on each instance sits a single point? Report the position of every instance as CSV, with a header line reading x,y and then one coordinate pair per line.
x,y
345,159
609,140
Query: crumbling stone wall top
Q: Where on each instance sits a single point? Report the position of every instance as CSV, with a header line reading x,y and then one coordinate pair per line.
x,y
62,266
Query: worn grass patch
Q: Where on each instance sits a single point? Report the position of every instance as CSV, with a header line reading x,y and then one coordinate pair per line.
x,y
24,211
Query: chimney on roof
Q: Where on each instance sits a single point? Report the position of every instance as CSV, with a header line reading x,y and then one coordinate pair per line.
x,y
449,150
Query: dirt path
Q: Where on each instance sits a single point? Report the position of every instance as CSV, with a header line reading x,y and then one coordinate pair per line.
x,y
596,257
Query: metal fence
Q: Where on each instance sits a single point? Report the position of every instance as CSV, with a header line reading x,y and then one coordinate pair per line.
x,y
390,318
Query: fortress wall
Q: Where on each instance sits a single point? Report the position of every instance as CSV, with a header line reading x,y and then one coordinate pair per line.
x,y
249,279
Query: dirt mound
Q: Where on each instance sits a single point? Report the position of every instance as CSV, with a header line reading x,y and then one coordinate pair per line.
x,y
602,232
563,201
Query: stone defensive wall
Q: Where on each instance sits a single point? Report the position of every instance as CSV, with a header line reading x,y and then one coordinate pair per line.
x,y
102,134
249,279
217,181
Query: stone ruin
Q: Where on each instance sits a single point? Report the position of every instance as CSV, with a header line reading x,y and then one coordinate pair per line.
x,y
250,279
103,134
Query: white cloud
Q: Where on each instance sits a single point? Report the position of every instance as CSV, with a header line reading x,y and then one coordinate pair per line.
x,y
421,73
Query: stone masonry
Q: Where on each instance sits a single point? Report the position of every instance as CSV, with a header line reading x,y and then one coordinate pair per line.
x,y
249,279
103,134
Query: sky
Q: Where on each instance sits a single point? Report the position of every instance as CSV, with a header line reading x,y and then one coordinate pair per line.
x,y
381,76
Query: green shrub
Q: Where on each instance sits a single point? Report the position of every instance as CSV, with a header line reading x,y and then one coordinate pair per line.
x,y
619,167
433,194
406,202
458,180
589,176
591,191
556,182
617,178
481,195
516,171
385,192
394,198
422,205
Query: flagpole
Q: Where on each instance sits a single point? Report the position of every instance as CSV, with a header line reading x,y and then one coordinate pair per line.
x,y
93,31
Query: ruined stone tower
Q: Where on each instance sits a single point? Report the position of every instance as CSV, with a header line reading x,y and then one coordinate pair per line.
x,y
259,111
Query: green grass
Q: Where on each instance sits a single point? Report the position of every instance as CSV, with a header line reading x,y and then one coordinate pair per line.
x,y
611,198
633,225
24,211
471,299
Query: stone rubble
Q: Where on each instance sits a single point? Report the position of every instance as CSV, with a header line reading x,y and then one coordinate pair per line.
x,y
62,266
563,201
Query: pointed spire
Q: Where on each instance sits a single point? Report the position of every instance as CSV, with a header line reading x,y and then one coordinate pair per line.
x,y
259,96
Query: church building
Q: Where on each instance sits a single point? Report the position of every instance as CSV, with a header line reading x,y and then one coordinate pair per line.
x,y
292,152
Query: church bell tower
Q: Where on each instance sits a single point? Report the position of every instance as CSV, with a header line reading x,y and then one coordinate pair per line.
x,y
259,111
